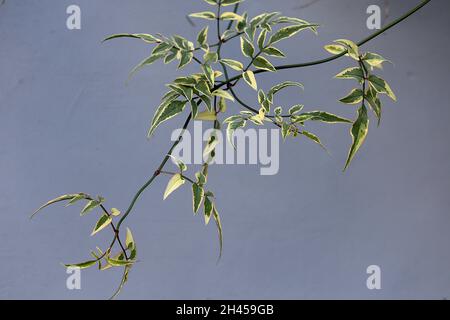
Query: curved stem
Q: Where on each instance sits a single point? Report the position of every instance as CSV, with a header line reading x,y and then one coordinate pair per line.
x,y
157,172
321,61
282,67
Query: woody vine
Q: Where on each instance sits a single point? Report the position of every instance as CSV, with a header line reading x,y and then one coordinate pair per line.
x,y
204,96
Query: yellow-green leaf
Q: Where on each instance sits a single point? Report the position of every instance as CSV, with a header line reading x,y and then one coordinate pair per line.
x,y
208,208
355,96
264,64
380,85
359,132
223,94
288,32
129,241
351,73
230,16
247,47
102,223
174,183
58,199
91,205
250,78
197,196
82,265
165,112
208,15
335,48
206,116
236,65
219,230
352,48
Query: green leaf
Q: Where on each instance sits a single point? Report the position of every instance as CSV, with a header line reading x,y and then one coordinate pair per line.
x,y
203,88
236,65
250,78
209,73
206,116
179,163
219,229
274,52
174,183
374,103
208,208
129,241
247,48
119,263
82,265
161,48
232,126
352,48
201,178
285,130
355,96
275,89
351,73
80,196
194,108
58,199
223,94
115,212
288,32
123,281
202,37
91,205
146,62
186,58
222,105
261,96
171,55
210,57
263,63
145,37
278,111
374,60
262,39
165,112
320,116
210,147
230,16
197,196
182,90
335,48
208,15
359,132
211,2
102,223
313,137
185,81
381,86
295,109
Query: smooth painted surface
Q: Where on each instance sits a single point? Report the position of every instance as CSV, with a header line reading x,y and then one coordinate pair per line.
x,y
69,123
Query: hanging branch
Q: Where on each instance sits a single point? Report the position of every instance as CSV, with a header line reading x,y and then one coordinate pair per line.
x,y
211,88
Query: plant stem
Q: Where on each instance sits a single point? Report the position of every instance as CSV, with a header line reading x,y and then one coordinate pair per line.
x,y
360,43
157,172
282,67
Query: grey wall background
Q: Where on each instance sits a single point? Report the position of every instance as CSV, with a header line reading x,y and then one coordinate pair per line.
x,y
69,123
